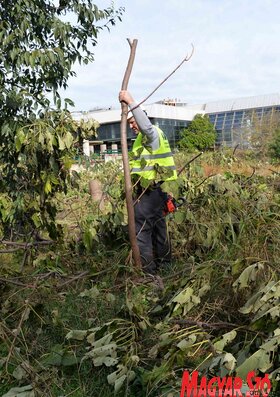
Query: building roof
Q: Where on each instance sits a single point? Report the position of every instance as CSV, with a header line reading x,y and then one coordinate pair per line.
x,y
159,111
184,111
242,103
154,110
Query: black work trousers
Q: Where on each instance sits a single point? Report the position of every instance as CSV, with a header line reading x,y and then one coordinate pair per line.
x,y
151,230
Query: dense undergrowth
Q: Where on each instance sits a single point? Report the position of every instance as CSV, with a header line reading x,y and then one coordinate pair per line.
x,y
78,320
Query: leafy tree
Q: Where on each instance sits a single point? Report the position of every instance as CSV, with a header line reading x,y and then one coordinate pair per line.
x,y
264,134
200,134
40,42
274,148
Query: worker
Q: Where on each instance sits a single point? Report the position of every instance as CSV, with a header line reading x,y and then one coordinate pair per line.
x,y
152,163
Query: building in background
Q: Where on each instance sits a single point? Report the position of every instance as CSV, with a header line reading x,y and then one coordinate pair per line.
x,y
231,118
235,118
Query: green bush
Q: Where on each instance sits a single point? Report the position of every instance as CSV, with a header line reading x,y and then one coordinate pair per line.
x,y
199,135
274,148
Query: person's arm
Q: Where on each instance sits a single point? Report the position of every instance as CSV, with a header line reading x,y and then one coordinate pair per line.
x,y
142,120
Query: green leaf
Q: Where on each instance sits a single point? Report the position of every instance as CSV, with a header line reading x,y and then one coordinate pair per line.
x,y
184,296
110,361
118,377
204,289
119,382
179,217
100,355
48,186
91,336
54,357
262,359
110,298
39,48
20,373
105,340
236,267
143,163
24,391
185,301
105,350
90,293
259,360
69,102
249,274
229,361
19,139
36,218
32,60
69,359
257,300
184,344
61,143
59,356
68,140
153,352
76,334
111,378
226,339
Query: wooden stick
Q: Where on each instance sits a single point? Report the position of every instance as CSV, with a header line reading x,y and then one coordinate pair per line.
x,y
23,245
127,178
218,325
185,166
186,59
9,281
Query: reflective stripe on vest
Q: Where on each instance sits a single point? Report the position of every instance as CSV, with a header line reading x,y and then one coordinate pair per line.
x,y
151,167
162,158
153,156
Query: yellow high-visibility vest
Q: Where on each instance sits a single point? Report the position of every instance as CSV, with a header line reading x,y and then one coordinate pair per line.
x,y
153,164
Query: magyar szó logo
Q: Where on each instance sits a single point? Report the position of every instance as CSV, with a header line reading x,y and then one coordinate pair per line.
x,y
227,386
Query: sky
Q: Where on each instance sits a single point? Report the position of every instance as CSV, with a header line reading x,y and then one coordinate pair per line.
x,y
236,52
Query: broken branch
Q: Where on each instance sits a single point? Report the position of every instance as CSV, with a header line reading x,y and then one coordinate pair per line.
x,y
186,59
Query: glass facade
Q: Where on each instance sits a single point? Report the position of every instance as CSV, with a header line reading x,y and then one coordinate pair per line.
x,y
110,133
231,126
171,128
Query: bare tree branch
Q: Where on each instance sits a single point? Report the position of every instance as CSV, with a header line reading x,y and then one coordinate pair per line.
x,y
185,166
218,325
9,281
127,178
21,245
186,59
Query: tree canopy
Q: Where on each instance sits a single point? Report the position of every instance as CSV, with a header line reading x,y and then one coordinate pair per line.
x,y
200,134
40,41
